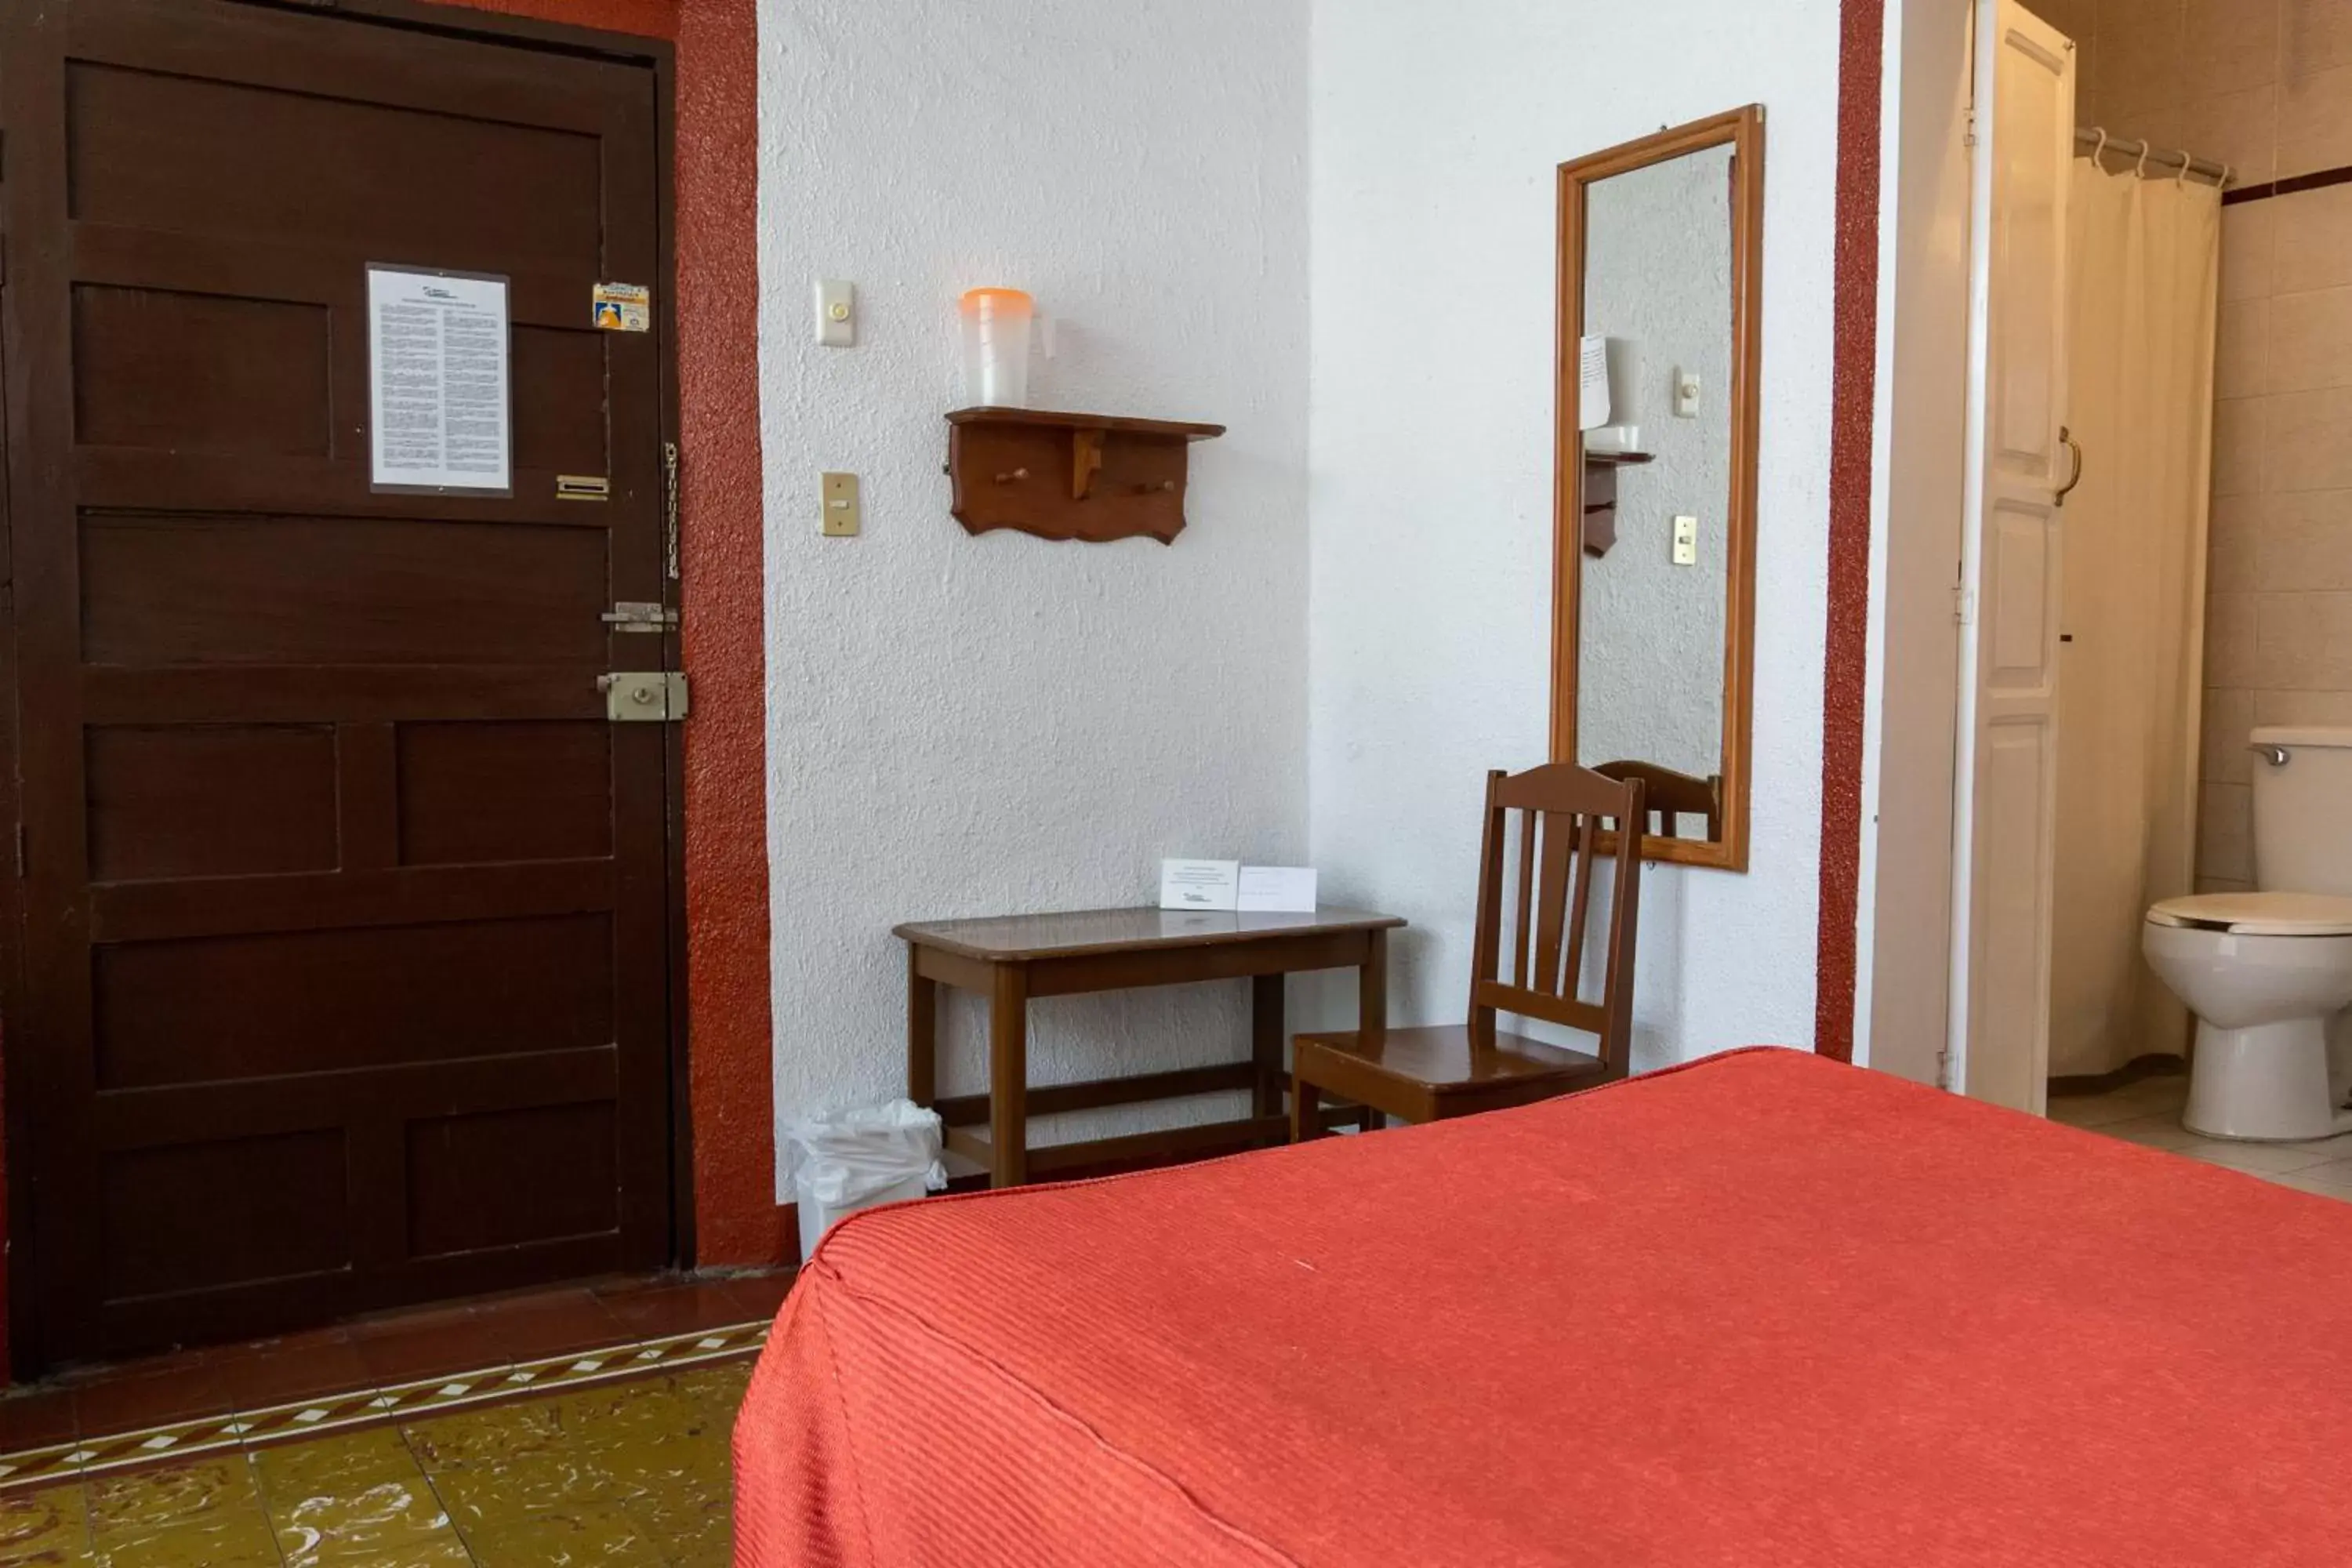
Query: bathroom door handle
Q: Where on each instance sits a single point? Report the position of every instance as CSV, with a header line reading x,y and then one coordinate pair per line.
x,y
2076,448
2277,756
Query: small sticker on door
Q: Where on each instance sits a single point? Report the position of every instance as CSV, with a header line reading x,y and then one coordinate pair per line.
x,y
623,308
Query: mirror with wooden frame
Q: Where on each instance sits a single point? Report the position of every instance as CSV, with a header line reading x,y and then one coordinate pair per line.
x,y
1661,267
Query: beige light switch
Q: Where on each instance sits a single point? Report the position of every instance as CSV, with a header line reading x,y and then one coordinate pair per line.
x,y
1686,541
842,513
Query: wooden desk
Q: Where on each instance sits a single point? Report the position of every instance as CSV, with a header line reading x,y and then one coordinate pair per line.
x,y
1013,958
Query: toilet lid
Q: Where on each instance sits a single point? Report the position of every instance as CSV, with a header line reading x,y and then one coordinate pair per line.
x,y
2259,914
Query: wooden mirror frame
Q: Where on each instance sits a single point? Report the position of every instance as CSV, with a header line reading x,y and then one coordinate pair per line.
x,y
1743,131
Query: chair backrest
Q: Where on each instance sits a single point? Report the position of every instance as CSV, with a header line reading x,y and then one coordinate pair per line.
x,y
1561,811
1670,796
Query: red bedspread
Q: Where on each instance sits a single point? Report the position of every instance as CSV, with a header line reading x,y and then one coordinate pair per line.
x,y
1763,1311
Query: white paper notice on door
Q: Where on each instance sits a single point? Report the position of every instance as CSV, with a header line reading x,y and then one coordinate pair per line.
x,y
1592,382
440,394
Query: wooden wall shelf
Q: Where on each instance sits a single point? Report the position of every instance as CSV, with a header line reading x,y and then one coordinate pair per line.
x,y
1090,477
1600,497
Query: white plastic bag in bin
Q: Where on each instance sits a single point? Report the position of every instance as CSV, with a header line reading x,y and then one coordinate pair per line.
x,y
860,1159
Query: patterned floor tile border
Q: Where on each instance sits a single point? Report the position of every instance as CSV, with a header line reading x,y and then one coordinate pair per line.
x,y
37,1467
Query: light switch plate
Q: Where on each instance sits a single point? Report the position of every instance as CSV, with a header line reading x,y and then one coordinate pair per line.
x,y
843,514
1686,541
837,313
1687,394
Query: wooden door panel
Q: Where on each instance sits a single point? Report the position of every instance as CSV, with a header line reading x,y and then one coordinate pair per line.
x,y
217,157
193,590
160,1209
346,912
475,793
170,369
216,1009
213,800
471,1184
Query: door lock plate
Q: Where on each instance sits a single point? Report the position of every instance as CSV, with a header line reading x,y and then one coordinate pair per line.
x,y
639,615
643,696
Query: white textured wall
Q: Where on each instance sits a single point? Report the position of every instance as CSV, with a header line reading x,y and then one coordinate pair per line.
x,y
1436,132
1657,274
962,726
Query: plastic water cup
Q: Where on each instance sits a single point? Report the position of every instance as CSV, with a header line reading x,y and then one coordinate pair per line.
x,y
996,347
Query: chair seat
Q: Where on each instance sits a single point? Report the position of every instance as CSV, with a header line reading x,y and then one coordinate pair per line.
x,y
1424,1074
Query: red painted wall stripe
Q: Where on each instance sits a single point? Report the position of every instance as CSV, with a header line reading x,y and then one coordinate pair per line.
x,y
1862,30
726,633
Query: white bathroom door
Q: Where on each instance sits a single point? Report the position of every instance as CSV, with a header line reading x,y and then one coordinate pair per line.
x,y
2011,559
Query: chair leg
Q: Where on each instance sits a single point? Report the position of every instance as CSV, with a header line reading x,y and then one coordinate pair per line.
x,y
1370,1120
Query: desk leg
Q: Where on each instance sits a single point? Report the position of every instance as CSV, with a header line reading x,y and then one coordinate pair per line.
x,y
1265,1042
1372,985
1372,1007
922,1031
1008,1075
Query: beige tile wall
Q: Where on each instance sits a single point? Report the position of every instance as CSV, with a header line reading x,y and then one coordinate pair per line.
x,y
2266,86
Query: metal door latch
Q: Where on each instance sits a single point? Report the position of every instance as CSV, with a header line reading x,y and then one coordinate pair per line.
x,y
637,615
643,696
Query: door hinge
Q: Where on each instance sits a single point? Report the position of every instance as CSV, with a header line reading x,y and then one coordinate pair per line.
x,y
1964,603
643,696
640,615
670,508
1969,131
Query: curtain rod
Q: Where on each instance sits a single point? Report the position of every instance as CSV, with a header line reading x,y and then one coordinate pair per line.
x,y
2098,141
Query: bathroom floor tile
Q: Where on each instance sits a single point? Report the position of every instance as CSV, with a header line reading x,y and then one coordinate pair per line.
x,y
2304,1183
2099,1111
2155,1132
2147,1112
2258,1159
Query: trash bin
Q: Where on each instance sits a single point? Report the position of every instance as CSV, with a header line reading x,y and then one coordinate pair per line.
x,y
860,1159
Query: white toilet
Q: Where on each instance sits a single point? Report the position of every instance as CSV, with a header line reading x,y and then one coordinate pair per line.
x,y
2266,971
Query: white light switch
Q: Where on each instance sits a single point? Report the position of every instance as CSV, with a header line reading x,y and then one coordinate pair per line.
x,y
1686,395
837,313
1686,541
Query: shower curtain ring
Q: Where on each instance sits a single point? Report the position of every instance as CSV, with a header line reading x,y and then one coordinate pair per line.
x,y
2140,170
2100,150
2185,160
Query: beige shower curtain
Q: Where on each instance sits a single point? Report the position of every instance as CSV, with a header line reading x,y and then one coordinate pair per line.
x,y
2146,263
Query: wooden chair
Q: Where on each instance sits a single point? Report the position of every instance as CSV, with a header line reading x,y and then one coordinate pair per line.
x,y
1426,1074
1671,796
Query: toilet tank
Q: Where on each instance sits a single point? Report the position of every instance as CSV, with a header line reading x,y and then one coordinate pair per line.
x,y
2302,810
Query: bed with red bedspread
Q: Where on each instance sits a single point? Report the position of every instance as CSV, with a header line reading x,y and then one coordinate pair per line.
x,y
1764,1310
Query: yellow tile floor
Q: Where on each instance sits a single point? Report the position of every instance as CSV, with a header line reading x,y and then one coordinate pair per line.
x,y
634,1473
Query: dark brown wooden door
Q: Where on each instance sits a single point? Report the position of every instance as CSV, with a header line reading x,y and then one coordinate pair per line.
x,y
342,960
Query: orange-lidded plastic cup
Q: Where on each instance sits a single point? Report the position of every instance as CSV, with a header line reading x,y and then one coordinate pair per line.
x,y
996,324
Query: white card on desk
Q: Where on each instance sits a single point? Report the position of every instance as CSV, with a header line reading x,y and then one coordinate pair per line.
x,y
1199,884
1278,890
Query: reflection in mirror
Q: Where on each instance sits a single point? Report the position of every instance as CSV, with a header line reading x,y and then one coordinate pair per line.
x,y
1657,289
1655,549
